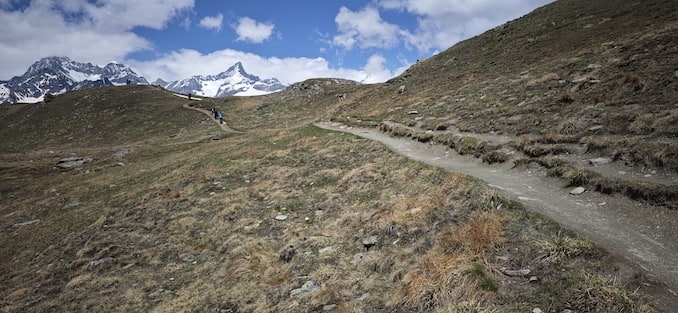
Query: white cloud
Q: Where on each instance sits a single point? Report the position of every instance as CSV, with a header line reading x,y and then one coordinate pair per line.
x,y
91,33
253,31
186,63
212,22
442,23
364,28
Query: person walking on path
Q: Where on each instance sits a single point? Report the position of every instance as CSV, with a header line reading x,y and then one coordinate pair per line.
x,y
220,117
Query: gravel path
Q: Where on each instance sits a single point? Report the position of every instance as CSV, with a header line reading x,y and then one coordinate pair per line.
x,y
637,232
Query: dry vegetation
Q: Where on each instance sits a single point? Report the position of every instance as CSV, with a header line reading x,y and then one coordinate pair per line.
x,y
189,226
187,221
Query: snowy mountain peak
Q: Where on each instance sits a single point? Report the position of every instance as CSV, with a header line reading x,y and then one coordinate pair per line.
x,y
234,81
57,75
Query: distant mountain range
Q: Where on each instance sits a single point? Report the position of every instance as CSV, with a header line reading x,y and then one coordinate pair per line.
x,y
56,75
234,81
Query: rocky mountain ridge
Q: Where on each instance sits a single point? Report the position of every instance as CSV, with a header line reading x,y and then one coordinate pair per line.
x,y
56,75
235,81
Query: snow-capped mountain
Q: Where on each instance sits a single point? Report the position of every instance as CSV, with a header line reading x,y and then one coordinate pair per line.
x,y
232,82
57,75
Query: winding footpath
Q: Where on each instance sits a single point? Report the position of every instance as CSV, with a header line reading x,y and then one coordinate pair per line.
x,y
637,232
223,126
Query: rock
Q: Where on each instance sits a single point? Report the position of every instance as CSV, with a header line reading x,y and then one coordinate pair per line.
x,y
281,217
401,89
675,74
599,161
71,204
514,273
308,288
534,279
363,297
369,242
325,251
596,127
577,191
329,307
537,310
357,258
72,162
27,223
122,153
413,112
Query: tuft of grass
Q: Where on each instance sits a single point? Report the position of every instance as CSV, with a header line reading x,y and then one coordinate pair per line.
x,y
600,294
562,247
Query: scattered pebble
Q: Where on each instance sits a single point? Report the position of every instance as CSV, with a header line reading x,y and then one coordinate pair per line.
x,y
577,191
281,217
369,242
513,273
27,223
309,287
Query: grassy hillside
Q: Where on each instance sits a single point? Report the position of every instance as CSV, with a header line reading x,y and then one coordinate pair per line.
x,y
196,219
109,116
192,227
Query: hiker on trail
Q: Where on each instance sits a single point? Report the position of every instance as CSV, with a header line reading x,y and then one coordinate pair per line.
x,y
214,112
189,96
220,117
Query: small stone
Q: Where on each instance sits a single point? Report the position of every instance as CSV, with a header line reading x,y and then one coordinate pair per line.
x,y
413,112
309,287
577,191
369,242
325,251
329,307
537,310
596,127
122,153
513,273
533,279
72,162
363,297
71,204
281,217
27,223
326,233
357,258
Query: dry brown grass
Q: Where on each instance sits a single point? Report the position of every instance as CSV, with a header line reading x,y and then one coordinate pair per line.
x,y
442,278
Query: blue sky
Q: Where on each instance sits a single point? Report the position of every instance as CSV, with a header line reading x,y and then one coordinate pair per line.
x,y
369,41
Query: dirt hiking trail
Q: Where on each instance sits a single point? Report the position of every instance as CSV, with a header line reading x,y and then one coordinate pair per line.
x,y
223,126
637,232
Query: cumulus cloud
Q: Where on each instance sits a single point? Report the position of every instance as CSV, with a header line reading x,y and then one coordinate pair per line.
x,y
364,28
212,22
101,32
250,30
186,63
441,23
